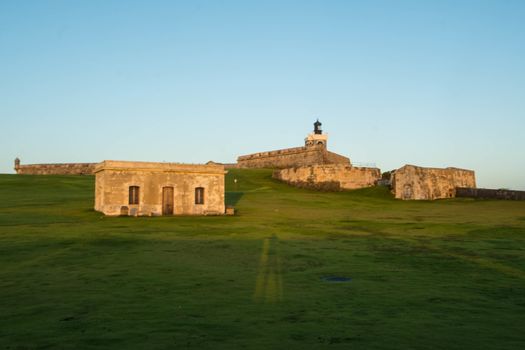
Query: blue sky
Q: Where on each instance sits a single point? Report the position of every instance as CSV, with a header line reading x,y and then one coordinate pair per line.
x,y
431,83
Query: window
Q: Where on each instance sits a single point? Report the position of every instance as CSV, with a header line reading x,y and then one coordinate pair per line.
x,y
199,195
133,194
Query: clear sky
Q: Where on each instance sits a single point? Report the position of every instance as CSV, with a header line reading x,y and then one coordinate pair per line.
x,y
430,83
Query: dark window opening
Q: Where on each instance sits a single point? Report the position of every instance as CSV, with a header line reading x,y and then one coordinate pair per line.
x,y
133,194
199,195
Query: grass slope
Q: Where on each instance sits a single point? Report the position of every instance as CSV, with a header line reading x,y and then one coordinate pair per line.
x,y
447,274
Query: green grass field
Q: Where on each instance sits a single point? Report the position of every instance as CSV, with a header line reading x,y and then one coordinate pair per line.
x,y
294,269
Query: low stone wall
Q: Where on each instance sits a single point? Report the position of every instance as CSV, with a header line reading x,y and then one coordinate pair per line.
x,y
486,193
230,165
56,169
329,177
413,182
291,157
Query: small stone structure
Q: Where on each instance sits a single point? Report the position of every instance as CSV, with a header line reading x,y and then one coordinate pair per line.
x,y
55,169
413,182
313,152
146,188
329,177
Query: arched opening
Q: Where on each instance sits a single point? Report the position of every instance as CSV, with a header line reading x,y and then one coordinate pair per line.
x,y
407,191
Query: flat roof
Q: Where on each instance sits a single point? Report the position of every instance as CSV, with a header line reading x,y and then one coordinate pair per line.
x,y
122,165
432,168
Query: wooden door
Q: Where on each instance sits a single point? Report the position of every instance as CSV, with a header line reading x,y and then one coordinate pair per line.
x,y
167,201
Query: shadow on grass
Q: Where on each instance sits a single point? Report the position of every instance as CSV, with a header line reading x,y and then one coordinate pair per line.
x,y
233,197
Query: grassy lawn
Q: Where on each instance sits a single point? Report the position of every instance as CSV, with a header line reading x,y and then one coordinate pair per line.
x,y
294,269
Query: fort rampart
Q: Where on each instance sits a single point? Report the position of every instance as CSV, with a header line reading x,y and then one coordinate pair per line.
x,y
56,169
413,182
291,157
329,177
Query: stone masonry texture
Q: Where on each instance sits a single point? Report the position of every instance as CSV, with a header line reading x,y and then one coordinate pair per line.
x,y
56,169
113,180
487,193
413,182
329,177
291,157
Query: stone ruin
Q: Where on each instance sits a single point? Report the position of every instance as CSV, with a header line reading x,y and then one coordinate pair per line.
x,y
413,182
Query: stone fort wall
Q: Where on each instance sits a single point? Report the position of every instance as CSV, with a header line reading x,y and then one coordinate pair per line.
x,y
56,169
329,177
413,182
291,157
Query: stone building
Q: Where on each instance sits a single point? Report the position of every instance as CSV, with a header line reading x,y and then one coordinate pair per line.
x,y
313,152
413,182
54,169
145,188
329,177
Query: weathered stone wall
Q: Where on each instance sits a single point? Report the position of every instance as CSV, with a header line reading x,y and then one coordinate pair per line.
x,y
486,193
334,158
113,179
291,157
329,177
56,169
413,182
230,165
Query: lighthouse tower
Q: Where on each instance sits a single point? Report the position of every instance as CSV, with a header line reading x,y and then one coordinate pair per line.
x,y
316,138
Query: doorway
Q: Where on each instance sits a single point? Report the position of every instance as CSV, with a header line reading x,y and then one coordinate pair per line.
x,y
167,201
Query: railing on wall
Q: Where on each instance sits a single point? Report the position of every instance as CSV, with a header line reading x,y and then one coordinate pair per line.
x,y
364,164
